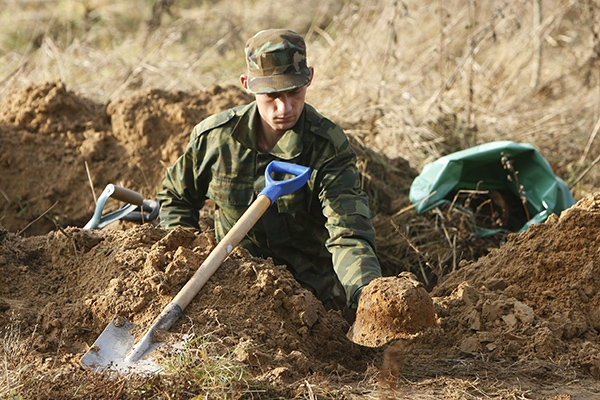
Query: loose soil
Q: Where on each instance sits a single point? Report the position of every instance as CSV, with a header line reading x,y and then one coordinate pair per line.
x,y
521,320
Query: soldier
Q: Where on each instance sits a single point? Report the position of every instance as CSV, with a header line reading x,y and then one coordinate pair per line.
x,y
322,232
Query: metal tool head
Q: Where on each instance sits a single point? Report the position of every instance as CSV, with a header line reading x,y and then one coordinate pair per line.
x,y
113,348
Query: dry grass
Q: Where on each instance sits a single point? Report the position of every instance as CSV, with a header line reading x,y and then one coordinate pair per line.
x,y
433,77
410,79
417,79
105,49
14,351
414,79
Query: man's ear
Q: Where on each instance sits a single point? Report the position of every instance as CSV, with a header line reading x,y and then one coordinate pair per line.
x,y
244,82
312,75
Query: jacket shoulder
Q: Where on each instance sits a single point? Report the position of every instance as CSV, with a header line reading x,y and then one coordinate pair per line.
x,y
327,129
217,120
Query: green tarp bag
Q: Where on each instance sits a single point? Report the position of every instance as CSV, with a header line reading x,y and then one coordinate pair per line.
x,y
492,166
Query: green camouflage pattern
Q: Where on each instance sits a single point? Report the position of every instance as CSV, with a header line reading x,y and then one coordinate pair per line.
x,y
276,61
322,232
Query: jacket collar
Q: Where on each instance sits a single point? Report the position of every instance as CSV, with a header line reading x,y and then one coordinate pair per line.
x,y
287,148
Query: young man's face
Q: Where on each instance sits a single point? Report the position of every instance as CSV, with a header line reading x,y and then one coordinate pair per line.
x,y
280,111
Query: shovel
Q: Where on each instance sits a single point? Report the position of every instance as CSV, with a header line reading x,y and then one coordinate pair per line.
x,y
135,208
115,348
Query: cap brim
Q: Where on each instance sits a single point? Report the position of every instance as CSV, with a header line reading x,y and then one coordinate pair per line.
x,y
277,83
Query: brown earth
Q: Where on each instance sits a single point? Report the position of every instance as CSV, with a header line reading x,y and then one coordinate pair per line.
x,y
55,137
521,321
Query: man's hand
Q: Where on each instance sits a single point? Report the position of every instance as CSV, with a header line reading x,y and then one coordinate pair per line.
x,y
349,315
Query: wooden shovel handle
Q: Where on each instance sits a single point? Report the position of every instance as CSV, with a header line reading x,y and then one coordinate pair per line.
x,y
221,251
273,189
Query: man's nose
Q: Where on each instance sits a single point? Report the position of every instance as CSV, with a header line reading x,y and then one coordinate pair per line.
x,y
284,103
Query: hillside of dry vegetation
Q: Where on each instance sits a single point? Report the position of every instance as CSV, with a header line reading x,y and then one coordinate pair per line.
x,y
415,79
97,92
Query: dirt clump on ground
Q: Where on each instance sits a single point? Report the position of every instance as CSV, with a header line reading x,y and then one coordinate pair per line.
x,y
528,310
390,308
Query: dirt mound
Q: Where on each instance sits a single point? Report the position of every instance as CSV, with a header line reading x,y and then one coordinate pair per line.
x,y
61,142
66,286
535,297
75,143
530,304
62,284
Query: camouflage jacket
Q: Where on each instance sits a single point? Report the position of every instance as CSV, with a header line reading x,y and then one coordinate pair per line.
x,y
322,232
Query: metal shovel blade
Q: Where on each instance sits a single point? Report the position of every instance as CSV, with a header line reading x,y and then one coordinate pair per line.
x,y
111,349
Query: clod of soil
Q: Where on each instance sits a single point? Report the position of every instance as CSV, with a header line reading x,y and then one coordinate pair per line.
x,y
392,308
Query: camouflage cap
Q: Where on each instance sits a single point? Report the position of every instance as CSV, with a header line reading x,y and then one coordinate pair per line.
x,y
276,60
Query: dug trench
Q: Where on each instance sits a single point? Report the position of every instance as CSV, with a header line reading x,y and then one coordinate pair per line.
x,y
531,302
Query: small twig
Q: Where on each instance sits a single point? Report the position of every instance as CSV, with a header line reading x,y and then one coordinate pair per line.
x,y
411,206
311,394
14,73
5,196
513,176
60,228
485,203
589,143
459,192
446,234
588,169
416,249
470,70
454,253
451,242
537,43
35,220
423,273
87,170
392,42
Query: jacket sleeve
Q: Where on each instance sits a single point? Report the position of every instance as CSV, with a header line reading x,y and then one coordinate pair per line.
x,y
351,234
183,191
